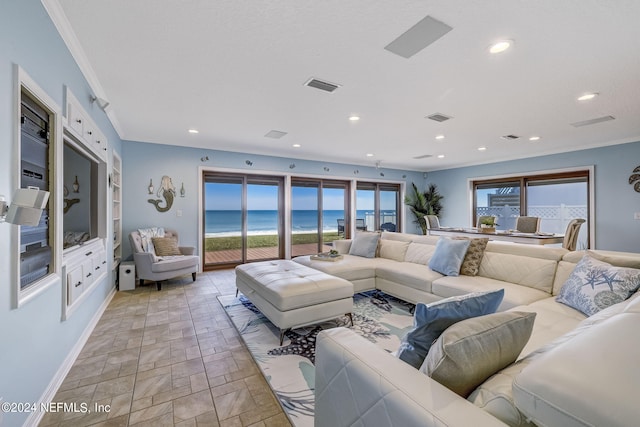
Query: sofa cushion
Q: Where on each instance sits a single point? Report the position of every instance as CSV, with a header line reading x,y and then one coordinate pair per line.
x,y
393,249
364,244
432,319
470,351
173,263
523,270
165,246
448,256
408,274
582,384
594,285
472,259
514,295
419,253
350,267
342,246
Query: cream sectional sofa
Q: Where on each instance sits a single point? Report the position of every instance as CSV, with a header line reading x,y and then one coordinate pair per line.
x,y
574,370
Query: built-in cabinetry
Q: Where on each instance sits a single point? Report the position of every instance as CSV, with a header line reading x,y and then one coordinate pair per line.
x,y
84,265
116,183
79,123
85,262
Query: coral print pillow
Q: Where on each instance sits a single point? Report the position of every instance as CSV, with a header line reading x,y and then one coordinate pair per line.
x,y
594,285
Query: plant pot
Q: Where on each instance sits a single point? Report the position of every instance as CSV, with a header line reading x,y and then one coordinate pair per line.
x,y
488,230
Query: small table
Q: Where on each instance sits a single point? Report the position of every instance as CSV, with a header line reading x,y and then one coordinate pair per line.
x,y
293,295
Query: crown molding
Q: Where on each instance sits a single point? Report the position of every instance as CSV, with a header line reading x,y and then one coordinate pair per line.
x,y
62,24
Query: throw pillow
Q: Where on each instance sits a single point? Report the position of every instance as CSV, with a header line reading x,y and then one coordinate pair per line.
x,y
392,249
448,256
473,257
342,246
431,320
165,246
594,285
364,244
469,352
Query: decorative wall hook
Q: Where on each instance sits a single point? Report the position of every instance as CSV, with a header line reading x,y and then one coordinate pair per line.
x,y
182,192
292,165
249,162
204,159
76,185
150,188
326,169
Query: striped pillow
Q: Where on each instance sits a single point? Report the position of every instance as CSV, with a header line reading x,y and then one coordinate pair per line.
x,y
165,246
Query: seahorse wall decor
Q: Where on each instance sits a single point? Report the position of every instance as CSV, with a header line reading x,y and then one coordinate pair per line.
x,y
167,191
635,178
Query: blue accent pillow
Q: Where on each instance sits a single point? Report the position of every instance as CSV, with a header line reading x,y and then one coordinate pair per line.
x,y
431,320
448,256
364,244
595,285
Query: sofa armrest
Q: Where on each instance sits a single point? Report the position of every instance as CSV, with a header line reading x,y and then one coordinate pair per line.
x,y
143,261
358,383
187,250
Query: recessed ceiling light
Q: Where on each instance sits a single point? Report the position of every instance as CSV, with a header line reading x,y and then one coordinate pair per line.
x,y
534,138
193,131
296,145
440,137
587,96
441,156
354,118
369,154
500,46
482,148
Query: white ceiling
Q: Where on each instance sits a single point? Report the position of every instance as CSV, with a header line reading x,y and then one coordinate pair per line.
x,y
235,70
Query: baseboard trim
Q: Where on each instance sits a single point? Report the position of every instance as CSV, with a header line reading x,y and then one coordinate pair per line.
x,y
35,417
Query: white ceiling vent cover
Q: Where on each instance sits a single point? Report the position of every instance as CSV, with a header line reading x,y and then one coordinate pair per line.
x,y
321,84
592,121
439,117
276,134
427,31
509,137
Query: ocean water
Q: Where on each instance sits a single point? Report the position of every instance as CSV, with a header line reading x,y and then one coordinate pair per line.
x,y
228,222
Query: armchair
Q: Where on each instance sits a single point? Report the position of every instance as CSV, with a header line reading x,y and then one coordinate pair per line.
x,y
150,266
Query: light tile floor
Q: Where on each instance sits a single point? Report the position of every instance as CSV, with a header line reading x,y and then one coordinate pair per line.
x,y
168,358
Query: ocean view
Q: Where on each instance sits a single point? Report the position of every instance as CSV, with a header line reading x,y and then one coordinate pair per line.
x,y
220,223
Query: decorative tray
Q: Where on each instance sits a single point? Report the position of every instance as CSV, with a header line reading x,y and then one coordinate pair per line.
x,y
326,256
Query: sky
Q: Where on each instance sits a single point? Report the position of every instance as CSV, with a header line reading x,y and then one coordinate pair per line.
x,y
265,197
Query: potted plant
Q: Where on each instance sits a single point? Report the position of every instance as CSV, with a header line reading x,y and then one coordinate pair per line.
x,y
488,224
424,203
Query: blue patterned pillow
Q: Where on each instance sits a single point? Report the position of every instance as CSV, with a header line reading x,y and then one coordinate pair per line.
x,y
594,285
431,320
448,256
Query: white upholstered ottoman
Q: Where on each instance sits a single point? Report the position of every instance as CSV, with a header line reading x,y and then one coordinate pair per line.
x,y
293,295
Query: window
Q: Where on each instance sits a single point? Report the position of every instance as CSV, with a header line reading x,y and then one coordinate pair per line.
x,y
556,198
377,206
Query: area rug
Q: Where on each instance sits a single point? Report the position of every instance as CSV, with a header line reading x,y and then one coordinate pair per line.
x,y
380,318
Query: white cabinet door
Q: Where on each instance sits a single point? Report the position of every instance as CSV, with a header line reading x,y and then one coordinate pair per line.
x,y
75,284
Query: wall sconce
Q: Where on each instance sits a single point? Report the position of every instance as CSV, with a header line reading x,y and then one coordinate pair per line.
x,y
292,166
248,162
150,188
326,169
26,208
102,103
204,159
356,172
182,192
76,185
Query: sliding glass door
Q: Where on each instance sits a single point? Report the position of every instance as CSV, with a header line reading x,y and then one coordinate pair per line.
x,y
318,214
242,220
377,206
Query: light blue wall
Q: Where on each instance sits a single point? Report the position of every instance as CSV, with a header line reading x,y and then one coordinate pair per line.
x,y
35,341
615,199
143,161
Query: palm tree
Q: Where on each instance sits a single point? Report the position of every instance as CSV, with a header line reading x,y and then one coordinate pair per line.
x,y
424,203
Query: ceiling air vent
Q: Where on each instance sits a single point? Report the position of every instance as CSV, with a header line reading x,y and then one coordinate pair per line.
x,y
275,134
424,156
592,121
321,84
439,117
509,137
